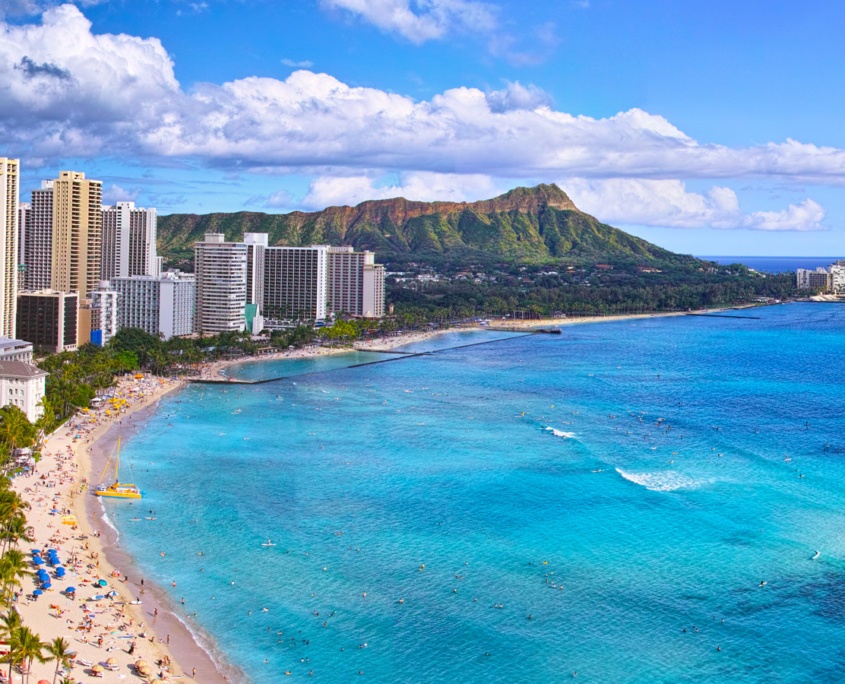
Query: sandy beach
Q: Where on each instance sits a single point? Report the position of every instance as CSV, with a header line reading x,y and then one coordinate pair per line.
x,y
116,630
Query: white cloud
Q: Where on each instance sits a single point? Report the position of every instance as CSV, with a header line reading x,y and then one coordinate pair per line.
x,y
668,203
116,193
329,191
420,20
68,92
517,96
304,64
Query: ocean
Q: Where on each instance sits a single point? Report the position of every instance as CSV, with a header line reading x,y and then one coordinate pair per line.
x,y
633,501
769,264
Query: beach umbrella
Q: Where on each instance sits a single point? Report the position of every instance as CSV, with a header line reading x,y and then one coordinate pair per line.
x,y
36,552
38,560
103,583
70,590
60,571
140,663
37,592
46,585
111,661
97,668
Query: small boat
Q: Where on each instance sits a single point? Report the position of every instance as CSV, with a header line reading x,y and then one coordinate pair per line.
x,y
118,489
816,555
268,543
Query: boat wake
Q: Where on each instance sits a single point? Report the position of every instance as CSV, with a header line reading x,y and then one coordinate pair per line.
x,y
664,481
560,433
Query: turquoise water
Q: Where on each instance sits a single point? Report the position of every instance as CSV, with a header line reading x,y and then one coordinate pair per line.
x,y
363,475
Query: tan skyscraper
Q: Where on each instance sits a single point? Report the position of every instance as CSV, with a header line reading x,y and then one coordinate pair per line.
x,y
77,233
9,186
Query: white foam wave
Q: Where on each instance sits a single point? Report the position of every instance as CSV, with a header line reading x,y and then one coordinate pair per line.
x,y
560,433
206,642
108,521
663,481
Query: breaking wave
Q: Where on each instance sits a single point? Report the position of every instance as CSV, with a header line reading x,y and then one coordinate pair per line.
x,y
664,481
560,433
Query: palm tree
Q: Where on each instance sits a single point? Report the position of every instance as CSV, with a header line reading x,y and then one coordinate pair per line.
x,y
59,650
24,647
9,624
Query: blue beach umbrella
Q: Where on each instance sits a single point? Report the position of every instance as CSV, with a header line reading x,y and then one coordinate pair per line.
x,y
70,590
38,560
36,552
37,592
46,585
60,571
103,583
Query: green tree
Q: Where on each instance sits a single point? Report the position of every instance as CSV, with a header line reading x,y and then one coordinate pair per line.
x,y
59,650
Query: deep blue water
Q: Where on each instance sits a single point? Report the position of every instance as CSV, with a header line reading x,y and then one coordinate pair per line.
x,y
361,476
774,264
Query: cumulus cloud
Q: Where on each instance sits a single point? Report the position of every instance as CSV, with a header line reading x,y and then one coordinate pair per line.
x,y
327,191
420,20
517,96
116,193
668,203
68,92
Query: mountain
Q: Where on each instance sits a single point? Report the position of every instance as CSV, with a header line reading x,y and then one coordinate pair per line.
x,y
525,224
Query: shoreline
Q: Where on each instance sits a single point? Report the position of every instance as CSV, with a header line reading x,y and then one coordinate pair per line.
x,y
75,462
60,482
186,645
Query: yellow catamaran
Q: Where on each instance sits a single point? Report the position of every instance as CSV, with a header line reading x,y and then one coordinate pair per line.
x,y
118,490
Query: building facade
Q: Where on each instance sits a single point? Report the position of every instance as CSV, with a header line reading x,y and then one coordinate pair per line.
x,y
162,306
104,314
38,240
22,385
15,350
24,214
295,280
129,241
10,189
819,279
256,244
355,283
49,319
220,270
77,233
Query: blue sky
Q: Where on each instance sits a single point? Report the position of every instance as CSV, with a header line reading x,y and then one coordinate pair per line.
x,y
706,127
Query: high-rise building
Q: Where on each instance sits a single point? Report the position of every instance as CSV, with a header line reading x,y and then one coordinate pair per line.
x,y
162,306
294,285
24,214
38,240
355,283
255,243
10,188
48,319
129,241
220,269
77,233
104,314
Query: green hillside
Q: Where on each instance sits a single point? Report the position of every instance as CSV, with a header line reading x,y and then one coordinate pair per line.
x,y
526,224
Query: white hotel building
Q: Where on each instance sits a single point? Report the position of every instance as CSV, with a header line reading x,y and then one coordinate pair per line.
x,y
220,269
129,241
162,306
